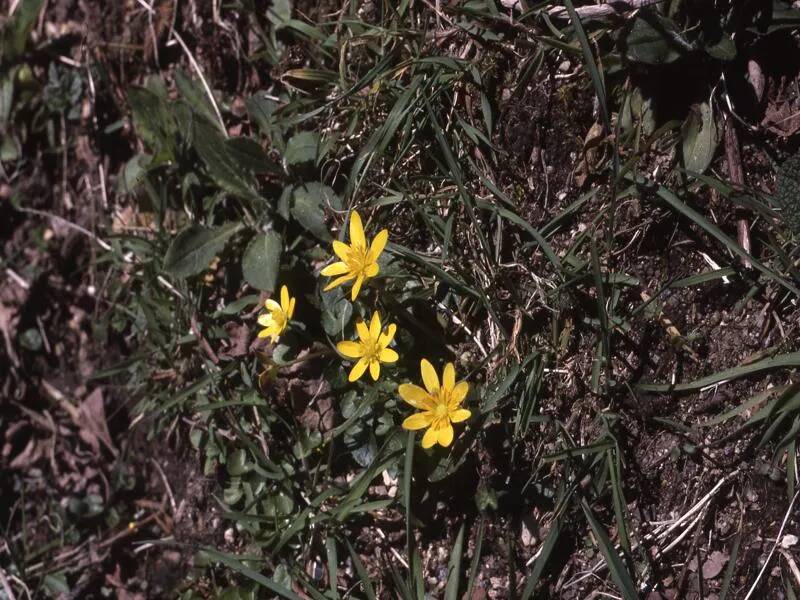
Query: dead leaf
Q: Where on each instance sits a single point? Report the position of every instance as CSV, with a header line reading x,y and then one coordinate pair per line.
x,y
238,338
714,564
782,118
8,328
91,420
33,452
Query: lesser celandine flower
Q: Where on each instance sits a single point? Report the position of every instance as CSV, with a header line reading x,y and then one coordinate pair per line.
x,y
277,319
440,404
371,349
359,260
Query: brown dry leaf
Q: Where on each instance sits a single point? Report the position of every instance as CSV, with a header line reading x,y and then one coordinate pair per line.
x,y
32,453
238,338
591,153
782,118
714,564
91,419
8,328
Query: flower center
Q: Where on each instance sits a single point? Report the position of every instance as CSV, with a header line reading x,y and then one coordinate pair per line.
x,y
357,259
371,349
440,411
278,317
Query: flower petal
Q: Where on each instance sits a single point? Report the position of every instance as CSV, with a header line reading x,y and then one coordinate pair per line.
x,y
337,268
356,288
375,326
265,320
264,333
449,377
417,421
371,270
357,231
349,349
341,250
284,298
272,305
430,437
363,331
445,435
429,376
358,370
374,369
338,281
290,314
461,414
458,394
414,395
386,338
388,355
378,244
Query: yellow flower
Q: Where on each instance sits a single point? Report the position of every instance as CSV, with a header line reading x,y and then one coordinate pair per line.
x,y
359,260
372,348
440,404
277,320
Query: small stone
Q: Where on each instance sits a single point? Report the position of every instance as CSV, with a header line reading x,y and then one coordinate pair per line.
x,y
229,535
788,540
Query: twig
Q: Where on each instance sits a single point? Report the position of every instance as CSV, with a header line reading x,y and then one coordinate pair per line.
x,y
203,342
774,546
733,156
615,7
18,279
166,485
6,586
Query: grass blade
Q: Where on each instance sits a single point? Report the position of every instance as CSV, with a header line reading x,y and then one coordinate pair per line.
x,y
363,576
454,568
233,562
784,361
619,574
541,561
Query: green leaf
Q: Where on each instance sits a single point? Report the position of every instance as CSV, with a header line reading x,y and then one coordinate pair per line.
x,y
302,148
233,562
195,247
196,97
454,567
309,202
673,201
133,174
723,49
237,462
700,139
16,30
363,576
224,166
784,361
619,574
250,156
262,111
262,260
153,122
654,40
541,561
